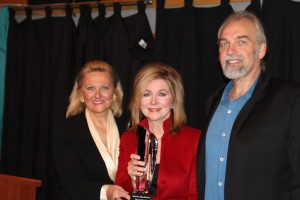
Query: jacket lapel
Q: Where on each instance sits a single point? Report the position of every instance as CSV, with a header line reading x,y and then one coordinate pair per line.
x,y
85,142
258,93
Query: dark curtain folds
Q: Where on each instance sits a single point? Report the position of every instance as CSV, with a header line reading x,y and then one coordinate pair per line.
x,y
40,69
84,34
276,19
94,38
117,47
294,41
42,59
281,21
139,44
186,38
176,44
116,40
208,76
255,8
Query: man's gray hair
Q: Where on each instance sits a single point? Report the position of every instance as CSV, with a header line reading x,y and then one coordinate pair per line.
x,y
236,16
244,15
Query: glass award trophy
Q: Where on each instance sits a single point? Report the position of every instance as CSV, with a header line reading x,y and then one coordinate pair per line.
x,y
147,146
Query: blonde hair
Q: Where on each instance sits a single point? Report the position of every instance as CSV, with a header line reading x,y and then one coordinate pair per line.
x,y
76,106
171,76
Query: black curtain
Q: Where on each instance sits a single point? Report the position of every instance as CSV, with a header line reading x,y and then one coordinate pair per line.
x,y
209,76
276,18
294,41
281,21
40,68
255,8
116,40
186,38
42,60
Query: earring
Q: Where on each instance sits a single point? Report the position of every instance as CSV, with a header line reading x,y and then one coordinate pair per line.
x,y
82,99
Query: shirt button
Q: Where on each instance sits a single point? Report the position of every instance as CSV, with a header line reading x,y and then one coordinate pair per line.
x,y
228,111
221,159
220,183
223,134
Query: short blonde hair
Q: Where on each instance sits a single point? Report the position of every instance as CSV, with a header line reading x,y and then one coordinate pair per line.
x,y
76,106
173,79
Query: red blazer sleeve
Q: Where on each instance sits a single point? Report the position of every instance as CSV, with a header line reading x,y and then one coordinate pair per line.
x,y
127,147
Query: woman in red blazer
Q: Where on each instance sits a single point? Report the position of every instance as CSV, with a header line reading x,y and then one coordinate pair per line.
x,y
157,104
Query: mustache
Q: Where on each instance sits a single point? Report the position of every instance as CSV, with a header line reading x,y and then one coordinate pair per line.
x,y
235,57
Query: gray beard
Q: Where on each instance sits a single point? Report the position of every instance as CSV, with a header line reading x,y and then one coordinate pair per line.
x,y
233,73
242,71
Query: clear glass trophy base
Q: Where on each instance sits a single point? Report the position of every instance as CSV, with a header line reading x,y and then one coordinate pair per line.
x,y
140,196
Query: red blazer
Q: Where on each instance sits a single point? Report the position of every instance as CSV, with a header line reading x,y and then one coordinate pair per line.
x,y
177,170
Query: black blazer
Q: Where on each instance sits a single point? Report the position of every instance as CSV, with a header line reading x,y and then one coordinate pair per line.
x,y
263,161
80,168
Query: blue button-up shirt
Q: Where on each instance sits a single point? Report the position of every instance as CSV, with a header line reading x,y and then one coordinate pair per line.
x,y
217,140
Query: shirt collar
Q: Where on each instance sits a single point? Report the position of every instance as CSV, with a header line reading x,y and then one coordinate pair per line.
x,y
166,124
247,95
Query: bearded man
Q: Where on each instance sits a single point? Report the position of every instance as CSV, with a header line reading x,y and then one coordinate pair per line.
x,y
250,149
